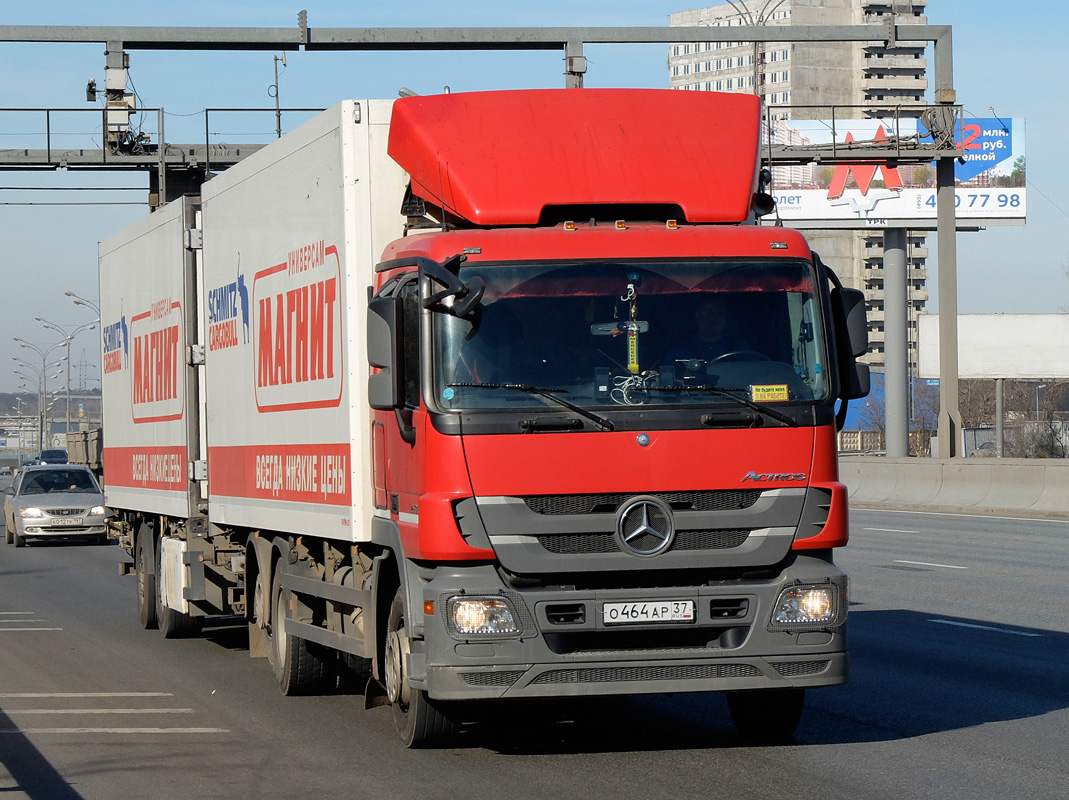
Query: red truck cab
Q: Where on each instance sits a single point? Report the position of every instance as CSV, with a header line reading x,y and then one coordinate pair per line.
x,y
604,442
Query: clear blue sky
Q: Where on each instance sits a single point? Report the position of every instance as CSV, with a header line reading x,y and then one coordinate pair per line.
x,y
1006,56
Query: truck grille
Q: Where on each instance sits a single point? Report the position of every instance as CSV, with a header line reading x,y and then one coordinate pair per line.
x,y
491,678
795,669
725,500
586,543
646,673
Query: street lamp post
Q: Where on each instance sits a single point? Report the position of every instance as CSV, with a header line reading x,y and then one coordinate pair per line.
x,y
754,18
81,301
43,352
68,337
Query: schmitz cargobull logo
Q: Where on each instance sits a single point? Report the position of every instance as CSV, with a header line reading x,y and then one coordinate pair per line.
x,y
228,306
157,339
116,340
297,331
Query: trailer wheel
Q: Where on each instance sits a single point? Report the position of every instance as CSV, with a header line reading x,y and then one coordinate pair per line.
x,y
146,585
421,722
301,667
767,714
173,624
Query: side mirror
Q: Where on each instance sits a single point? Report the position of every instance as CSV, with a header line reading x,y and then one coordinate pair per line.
x,y
856,382
852,302
385,388
852,340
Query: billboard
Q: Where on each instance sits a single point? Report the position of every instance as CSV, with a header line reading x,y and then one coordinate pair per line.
x,y
999,346
989,175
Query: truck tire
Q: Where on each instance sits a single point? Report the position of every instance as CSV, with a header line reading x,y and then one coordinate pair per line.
x,y
301,667
421,722
173,624
146,584
767,714
353,673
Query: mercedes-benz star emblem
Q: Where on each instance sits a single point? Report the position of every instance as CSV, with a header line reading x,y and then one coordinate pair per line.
x,y
645,526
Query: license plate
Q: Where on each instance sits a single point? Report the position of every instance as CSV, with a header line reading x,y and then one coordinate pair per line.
x,y
66,522
648,611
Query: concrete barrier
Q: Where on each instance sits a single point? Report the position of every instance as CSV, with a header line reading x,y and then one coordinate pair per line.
x,y
1027,487
1055,497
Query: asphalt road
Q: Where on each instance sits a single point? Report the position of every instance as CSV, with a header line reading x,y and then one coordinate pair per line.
x,y
959,689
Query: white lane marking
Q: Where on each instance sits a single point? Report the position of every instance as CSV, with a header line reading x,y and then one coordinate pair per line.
x,y
926,564
889,530
100,711
20,621
958,514
115,730
10,695
31,629
983,627
13,613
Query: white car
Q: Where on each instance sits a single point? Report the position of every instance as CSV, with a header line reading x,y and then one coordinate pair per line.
x,y
55,501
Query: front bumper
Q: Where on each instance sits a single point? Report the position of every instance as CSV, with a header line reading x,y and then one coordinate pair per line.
x,y
564,647
35,528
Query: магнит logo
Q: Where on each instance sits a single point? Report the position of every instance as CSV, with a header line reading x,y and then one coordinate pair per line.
x,y
297,331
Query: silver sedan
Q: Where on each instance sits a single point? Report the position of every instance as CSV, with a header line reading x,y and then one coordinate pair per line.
x,y
54,501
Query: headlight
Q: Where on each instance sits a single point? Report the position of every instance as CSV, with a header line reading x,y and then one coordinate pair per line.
x,y
808,608
481,616
32,512
97,511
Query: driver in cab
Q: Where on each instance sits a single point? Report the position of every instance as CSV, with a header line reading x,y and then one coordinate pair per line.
x,y
714,336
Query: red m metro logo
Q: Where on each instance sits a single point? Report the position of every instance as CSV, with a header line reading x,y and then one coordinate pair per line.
x,y
863,173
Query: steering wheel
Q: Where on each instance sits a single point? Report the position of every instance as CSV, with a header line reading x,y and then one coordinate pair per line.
x,y
750,355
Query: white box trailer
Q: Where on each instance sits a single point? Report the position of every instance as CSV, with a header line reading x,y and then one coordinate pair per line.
x,y
150,405
269,413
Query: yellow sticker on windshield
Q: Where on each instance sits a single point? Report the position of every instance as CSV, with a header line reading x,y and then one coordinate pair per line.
x,y
769,393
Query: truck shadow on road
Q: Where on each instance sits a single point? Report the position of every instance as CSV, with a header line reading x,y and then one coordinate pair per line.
x,y
31,773
912,674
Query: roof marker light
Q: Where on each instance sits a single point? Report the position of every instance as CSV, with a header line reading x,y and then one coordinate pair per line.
x,y
778,245
672,224
621,224
569,225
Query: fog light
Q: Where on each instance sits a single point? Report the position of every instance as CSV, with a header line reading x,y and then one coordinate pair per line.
x,y
806,606
473,616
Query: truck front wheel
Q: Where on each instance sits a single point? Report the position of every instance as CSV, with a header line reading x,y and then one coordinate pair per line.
x,y
767,714
421,722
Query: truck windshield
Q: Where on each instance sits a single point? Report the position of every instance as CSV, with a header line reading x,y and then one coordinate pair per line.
x,y
650,333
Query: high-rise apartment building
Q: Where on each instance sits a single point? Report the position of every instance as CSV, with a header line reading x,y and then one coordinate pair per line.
x,y
804,80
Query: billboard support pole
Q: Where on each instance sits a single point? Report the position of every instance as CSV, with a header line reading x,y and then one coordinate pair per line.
x,y
896,344
949,413
999,412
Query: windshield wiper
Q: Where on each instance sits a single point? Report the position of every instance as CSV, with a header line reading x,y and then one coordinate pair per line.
x,y
733,394
541,391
